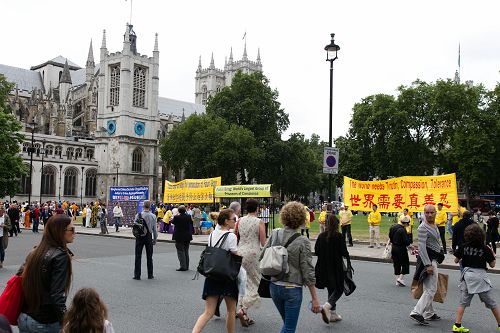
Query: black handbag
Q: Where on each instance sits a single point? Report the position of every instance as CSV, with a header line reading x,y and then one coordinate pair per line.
x,y
264,285
219,264
349,285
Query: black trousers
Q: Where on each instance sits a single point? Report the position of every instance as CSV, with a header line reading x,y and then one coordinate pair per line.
x,y
146,241
183,254
346,231
442,233
14,229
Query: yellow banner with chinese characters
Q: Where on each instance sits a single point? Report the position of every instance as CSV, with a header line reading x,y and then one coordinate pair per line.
x,y
191,190
243,191
396,194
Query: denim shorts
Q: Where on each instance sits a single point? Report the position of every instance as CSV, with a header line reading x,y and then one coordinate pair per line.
x,y
27,324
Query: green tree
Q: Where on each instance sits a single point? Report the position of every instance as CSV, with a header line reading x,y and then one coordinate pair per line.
x,y
249,102
11,162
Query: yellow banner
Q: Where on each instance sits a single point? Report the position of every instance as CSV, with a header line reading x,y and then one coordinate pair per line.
x,y
191,190
396,194
243,191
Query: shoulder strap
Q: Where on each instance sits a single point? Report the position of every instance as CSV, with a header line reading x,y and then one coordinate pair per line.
x,y
291,239
222,239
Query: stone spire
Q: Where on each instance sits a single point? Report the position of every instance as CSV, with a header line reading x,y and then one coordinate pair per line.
x,y
90,57
212,64
156,43
126,40
245,56
183,116
231,56
66,76
199,64
103,44
258,55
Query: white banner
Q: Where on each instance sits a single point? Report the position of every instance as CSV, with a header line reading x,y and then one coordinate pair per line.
x,y
330,160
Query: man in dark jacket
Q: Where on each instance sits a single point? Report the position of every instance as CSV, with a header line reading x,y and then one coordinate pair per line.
x,y
183,230
459,230
14,216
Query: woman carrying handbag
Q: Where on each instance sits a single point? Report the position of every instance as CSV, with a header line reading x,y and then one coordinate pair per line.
x,y
213,289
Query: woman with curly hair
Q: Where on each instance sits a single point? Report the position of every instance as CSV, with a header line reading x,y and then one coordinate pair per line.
x,y
47,276
474,280
87,313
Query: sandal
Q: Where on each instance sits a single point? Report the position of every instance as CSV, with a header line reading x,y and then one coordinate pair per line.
x,y
244,320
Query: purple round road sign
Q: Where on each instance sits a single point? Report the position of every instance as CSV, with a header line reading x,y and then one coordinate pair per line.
x,y
331,161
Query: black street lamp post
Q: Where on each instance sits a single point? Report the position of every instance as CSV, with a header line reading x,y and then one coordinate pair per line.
x,y
31,151
41,172
117,166
81,190
60,174
331,55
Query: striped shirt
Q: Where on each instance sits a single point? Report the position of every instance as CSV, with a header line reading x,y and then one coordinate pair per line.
x,y
428,237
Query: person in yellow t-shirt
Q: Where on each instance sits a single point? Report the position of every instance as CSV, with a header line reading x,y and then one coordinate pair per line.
x,y
322,219
166,221
345,223
374,219
307,222
441,219
406,220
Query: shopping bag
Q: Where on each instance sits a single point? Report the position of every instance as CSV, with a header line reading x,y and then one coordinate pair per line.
x,y
416,289
442,288
387,251
11,299
264,285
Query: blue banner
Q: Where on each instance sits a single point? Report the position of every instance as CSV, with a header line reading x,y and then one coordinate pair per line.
x,y
128,193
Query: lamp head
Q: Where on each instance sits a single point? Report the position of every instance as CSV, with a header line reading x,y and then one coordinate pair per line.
x,y
332,49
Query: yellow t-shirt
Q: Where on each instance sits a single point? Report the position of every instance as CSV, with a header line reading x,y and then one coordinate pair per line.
x,y
84,212
307,218
374,218
457,218
441,218
322,217
345,217
160,212
167,217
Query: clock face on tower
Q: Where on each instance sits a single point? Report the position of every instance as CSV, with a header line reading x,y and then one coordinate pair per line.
x,y
111,127
139,128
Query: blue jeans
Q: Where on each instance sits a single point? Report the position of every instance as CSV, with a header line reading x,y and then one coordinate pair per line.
x,y
288,302
27,324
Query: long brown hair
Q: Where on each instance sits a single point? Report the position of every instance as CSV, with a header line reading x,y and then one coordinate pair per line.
x,y
86,314
332,226
53,237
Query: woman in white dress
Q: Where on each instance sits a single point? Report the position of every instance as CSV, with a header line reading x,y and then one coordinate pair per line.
x,y
88,216
252,236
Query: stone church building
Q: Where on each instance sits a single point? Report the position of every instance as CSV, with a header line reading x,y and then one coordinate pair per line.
x,y
100,126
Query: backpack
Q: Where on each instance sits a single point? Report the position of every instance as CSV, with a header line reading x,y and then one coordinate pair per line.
x,y
311,216
274,262
139,228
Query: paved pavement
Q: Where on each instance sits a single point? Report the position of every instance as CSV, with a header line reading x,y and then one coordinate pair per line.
x,y
172,301
360,250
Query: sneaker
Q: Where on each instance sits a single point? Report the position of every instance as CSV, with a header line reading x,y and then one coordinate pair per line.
x,y
434,317
461,329
419,319
334,317
370,246
401,282
325,311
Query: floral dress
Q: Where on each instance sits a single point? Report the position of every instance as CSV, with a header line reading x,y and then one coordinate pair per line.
x,y
249,249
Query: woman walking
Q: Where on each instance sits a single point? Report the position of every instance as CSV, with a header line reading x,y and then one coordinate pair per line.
x,y
330,248
252,234
492,231
287,292
47,276
213,289
399,252
117,215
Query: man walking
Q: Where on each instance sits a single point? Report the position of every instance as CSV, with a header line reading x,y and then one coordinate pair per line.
x,y
345,223
117,215
183,226
427,271
146,241
441,219
13,213
374,219
458,238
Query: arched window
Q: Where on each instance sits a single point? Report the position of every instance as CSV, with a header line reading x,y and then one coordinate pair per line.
x,y
78,153
25,182
90,153
38,149
70,152
114,87
58,151
139,93
49,180
70,181
204,95
137,160
90,183
26,146
49,150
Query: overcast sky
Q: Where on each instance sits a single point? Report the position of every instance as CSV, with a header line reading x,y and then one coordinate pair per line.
x,y
383,44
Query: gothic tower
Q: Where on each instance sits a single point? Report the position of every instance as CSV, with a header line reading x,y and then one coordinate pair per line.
x,y
127,117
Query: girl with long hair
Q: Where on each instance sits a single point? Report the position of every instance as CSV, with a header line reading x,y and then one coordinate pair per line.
x,y
47,275
330,248
87,313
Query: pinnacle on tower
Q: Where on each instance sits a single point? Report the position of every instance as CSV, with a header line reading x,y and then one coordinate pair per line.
x,y
90,57
199,63
258,55
156,43
126,39
103,45
66,76
245,57
212,64
231,56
